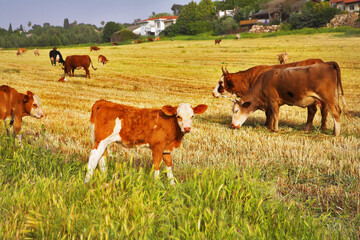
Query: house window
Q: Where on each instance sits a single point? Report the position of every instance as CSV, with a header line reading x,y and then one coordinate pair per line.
x,y
158,24
351,7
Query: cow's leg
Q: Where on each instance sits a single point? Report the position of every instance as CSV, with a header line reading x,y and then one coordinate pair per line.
x,y
324,113
268,119
102,162
335,111
17,128
275,116
94,158
157,152
87,72
168,161
311,114
72,72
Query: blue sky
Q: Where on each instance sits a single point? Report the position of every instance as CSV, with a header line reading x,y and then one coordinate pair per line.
x,y
19,12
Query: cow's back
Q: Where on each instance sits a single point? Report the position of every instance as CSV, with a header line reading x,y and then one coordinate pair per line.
x,y
78,61
8,97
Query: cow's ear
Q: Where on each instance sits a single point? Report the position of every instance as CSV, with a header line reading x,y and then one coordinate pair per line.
x,y
199,109
222,69
246,104
169,110
26,98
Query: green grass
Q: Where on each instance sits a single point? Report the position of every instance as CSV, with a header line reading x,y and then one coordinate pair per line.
x,y
43,196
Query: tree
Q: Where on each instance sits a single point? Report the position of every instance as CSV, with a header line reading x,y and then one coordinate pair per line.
x,y
109,29
21,29
207,10
66,23
10,28
74,24
46,24
136,21
29,24
156,15
177,8
102,23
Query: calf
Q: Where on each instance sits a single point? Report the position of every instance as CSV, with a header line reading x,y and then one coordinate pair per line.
x,y
36,52
93,48
161,129
283,58
14,106
102,60
217,41
299,86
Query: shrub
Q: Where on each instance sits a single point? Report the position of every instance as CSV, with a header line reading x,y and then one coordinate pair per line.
x,y
125,35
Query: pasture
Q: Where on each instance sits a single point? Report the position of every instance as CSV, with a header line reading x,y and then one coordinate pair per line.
x,y
245,183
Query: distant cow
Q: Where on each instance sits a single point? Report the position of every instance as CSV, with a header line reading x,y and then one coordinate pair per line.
x,y
77,61
160,129
241,82
93,48
15,105
283,58
295,86
63,79
36,52
102,60
55,56
149,39
139,41
114,44
237,36
157,39
133,42
21,51
217,41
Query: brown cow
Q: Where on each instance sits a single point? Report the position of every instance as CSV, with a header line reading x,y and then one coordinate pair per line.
x,y
283,58
102,60
36,52
157,39
161,129
149,39
75,62
139,41
114,44
15,105
299,86
133,42
217,41
21,51
241,82
93,48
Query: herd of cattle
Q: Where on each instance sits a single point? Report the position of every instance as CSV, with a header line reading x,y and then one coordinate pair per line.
x,y
309,83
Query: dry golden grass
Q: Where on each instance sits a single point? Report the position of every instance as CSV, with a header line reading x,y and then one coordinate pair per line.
x,y
312,165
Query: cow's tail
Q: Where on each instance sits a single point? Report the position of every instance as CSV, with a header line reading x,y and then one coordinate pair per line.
x,y
339,84
92,64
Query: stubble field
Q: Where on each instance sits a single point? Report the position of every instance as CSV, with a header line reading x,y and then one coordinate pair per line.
x,y
313,171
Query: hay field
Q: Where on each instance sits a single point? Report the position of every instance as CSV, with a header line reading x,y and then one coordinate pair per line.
x,y
314,167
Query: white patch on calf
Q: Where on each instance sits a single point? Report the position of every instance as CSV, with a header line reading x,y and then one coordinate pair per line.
x,y
36,111
97,154
185,116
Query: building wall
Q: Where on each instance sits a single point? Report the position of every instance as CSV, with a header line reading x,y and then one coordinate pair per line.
x,y
354,6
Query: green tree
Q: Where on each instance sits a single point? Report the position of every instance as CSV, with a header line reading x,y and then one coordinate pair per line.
x,y
177,8
21,28
10,28
207,10
109,29
156,15
29,25
66,23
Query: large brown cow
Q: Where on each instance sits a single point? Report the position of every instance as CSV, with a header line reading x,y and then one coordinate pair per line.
x,y
93,48
298,86
77,61
241,82
161,129
15,105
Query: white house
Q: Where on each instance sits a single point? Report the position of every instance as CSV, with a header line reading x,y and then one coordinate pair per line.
x,y
153,26
346,5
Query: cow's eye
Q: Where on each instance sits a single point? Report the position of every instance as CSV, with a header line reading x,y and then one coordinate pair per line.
x,y
35,105
237,110
192,116
179,118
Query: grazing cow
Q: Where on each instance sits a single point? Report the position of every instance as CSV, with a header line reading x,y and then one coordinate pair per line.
x,y
102,60
139,41
161,130
241,82
157,39
133,42
299,86
283,58
149,39
36,52
114,44
21,51
237,36
15,105
93,48
217,41
55,56
77,62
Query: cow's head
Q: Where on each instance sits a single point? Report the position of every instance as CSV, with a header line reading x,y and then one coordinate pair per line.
x,y
184,114
224,81
241,111
33,105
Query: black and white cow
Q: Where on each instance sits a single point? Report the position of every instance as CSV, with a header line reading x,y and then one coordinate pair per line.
x,y
55,56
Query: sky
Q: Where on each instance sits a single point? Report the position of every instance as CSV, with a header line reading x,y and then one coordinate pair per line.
x,y
54,12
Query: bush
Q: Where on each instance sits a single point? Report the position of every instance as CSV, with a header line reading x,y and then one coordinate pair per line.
x,y
224,24
125,35
171,30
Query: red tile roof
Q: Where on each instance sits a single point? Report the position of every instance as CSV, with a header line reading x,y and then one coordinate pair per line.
x,y
351,1
336,1
164,17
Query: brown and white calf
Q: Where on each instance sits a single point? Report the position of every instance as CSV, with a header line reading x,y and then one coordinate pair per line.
x,y
102,60
161,129
298,86
283,58
14,106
